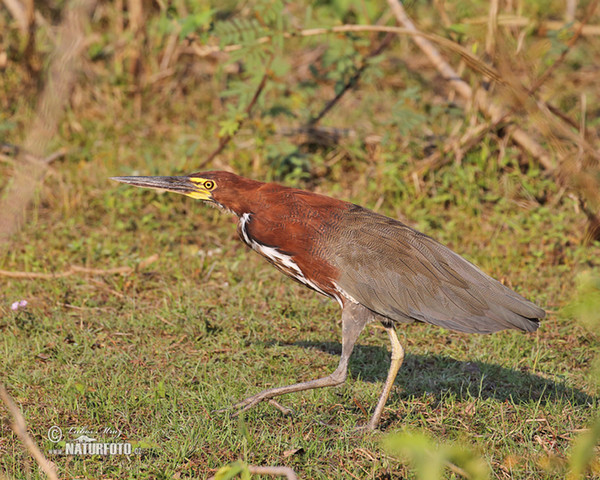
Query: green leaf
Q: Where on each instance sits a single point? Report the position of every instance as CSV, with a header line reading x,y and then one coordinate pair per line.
x,y
196,22
280,66
420,451
584,451
161,391
458,28
228,127
231,471
430,459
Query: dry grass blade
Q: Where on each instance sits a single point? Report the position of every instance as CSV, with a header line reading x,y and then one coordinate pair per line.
x,y
17,10
490,39
136,18
20,428
505,20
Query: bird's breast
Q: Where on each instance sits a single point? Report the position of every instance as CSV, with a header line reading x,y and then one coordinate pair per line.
x,y
288,260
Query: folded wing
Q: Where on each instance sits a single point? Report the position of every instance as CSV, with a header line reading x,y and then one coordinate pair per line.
x,y
405,275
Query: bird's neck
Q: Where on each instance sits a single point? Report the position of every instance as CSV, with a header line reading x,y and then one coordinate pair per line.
x,y
245,198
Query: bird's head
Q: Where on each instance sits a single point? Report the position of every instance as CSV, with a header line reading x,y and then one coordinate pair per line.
x,y
224,189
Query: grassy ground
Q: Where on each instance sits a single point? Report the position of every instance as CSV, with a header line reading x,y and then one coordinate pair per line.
x,y
200,322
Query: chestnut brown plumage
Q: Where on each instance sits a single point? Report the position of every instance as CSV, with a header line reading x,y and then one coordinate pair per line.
x,y
375,267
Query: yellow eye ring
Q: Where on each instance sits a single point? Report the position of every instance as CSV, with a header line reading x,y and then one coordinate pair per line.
x,y
209,184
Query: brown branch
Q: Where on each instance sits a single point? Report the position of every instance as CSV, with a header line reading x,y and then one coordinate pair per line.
x,y
248,110
136,17
592,232
353,81
19,426
206,50
25,156
24,15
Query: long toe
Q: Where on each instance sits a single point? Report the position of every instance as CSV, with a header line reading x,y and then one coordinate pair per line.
x,y
248,403
366,428
286,411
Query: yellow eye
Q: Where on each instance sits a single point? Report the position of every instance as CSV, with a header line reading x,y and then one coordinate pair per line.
x,y
209,184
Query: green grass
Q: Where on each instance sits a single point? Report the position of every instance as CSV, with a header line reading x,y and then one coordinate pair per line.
x,y
155,352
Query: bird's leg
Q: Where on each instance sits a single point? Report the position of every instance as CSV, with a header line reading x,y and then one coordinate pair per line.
x,y
397,358
354,319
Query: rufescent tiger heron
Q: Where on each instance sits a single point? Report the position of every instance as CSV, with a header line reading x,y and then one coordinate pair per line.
x,y
375,267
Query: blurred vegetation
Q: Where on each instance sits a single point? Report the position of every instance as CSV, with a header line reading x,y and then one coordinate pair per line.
x,y
430,459
187,322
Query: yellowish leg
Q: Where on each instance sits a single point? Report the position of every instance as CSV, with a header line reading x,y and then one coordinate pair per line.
x,y
354,319
397,358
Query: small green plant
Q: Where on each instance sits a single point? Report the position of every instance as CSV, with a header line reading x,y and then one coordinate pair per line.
x,y
430,458
586,308
233,470
584,454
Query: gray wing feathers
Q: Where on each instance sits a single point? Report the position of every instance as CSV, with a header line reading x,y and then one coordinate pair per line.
x,y
404,275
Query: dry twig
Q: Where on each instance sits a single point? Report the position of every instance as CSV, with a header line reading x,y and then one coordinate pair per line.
x,y
73,269
20,428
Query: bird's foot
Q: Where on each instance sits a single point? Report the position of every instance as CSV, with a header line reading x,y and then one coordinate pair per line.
x,y
366,428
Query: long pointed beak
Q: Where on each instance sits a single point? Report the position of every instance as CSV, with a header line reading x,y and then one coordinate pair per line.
x,y
182,185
